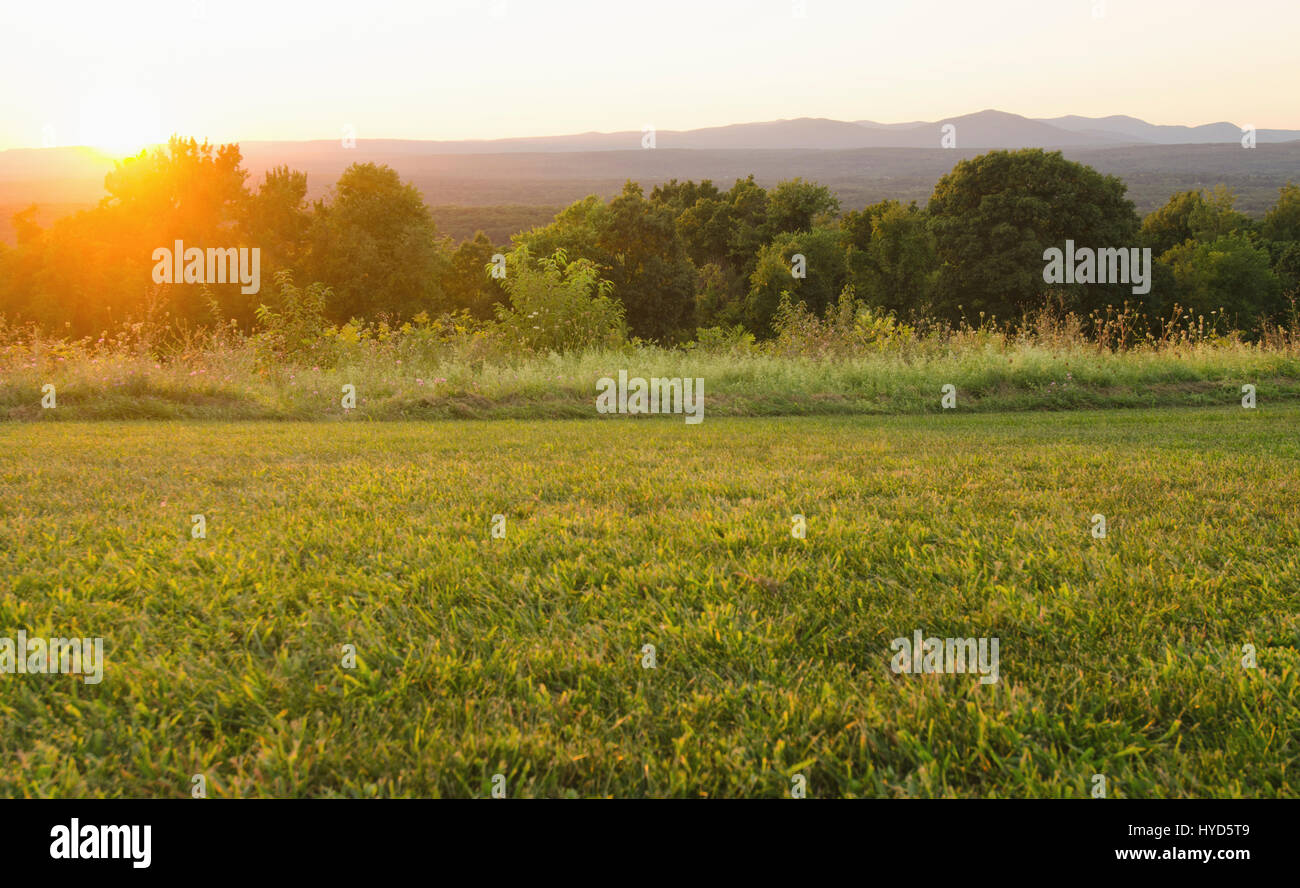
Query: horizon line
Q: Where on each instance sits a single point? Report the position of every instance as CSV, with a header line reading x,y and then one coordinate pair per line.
x,y
573,133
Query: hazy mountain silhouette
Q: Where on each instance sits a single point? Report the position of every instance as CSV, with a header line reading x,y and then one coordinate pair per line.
x,y
1139,131
983,129
860,160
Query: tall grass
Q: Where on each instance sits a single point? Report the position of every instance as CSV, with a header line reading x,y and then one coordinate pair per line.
x,y
855,362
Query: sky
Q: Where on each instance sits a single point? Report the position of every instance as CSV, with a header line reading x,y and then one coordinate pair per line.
x,y
119,76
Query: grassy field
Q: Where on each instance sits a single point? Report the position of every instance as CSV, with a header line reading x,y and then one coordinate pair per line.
x,y
522,656
398,380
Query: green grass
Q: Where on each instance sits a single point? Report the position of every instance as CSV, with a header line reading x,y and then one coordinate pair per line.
x,y
396,380
521,655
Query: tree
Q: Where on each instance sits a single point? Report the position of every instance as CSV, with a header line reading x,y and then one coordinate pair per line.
x,y
93,270
994,215
681,196
1282,222
188,191
1214,217
466,282
276,220
716,301
1285,260
721,233
891,256
796,205
636,244
21,267
706,227
750,229
823,267
1170,225
1280,230
377,247
651,272
1192,215
573,230
1229,274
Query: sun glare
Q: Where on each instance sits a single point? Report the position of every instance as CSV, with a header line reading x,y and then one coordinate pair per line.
x,y
120,121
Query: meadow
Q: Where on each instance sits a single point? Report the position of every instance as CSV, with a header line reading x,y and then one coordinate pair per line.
x,y
868,365
523,655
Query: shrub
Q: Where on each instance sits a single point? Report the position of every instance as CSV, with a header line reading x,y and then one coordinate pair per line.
x,y
294,324
734,340
849,327
557,305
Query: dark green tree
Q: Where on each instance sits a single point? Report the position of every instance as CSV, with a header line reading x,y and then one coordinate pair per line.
x,y
636,245
1231,275
994,215
375,245
823,267
1282,222
467,284
891,256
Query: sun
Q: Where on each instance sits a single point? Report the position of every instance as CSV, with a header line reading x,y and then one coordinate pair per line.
x,y
120,120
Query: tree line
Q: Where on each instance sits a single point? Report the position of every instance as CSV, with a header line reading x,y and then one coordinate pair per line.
x,y
686,256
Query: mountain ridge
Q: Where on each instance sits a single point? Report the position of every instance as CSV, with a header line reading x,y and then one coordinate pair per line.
x,y
989,129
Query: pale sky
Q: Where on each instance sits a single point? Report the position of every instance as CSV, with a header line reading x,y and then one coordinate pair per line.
x,y
117,75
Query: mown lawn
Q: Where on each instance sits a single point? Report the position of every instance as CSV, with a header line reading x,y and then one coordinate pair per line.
x,y
523,656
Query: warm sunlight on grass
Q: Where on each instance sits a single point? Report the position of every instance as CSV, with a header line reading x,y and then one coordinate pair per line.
x,y
520,655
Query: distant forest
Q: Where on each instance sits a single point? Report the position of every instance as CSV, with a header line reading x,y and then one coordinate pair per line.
x,y
679,256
